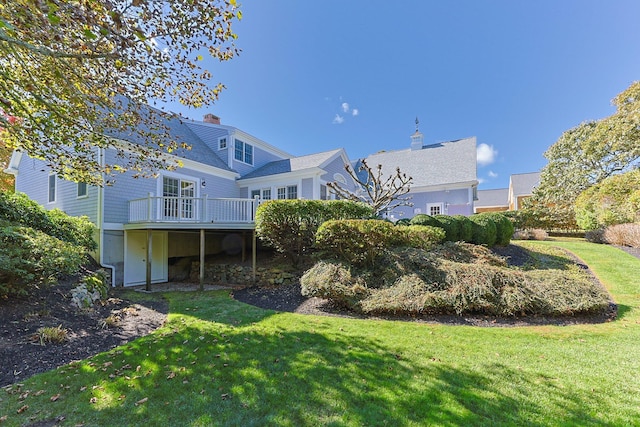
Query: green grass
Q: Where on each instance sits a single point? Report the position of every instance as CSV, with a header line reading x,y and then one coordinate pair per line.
x,y
221,362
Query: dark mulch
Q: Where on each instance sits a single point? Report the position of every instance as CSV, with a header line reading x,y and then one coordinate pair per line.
x,y
289,298
22,355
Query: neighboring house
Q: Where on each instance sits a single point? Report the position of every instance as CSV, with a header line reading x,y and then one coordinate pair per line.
x,y
521,187
492,200
444,176
207,206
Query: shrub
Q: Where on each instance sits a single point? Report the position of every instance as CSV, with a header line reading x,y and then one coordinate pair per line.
x,y
357,241
290,226
419,236
466,228
595,236
51,334
403,221
333,281
483,230
534,234
424,219
30,257
504,227
623,235
18,208
451,227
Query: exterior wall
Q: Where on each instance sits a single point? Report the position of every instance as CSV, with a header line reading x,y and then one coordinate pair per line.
x,y
210,135
33,180
337,166
454,203
127,188
244,192
306,192
113,253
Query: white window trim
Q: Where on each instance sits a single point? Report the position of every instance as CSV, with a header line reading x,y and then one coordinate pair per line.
x,y
226,143
433,205
86,190
181,177
244,143
55,188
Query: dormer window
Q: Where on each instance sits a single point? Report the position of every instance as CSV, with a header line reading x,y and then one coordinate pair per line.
x,y
222,143
243,152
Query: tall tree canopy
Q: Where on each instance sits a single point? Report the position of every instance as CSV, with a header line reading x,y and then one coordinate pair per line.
x,y
592,151
76,71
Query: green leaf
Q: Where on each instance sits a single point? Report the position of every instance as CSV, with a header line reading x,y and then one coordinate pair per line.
x,y
89,34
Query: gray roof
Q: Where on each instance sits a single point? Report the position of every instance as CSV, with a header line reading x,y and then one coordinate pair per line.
x,y
293,164
492,198
436,164
522,184
177,131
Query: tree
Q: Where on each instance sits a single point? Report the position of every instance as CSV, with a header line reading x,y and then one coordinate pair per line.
x,y
76,73
592,151
382,194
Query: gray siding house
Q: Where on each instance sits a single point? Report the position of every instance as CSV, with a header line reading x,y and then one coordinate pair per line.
x,y
207,206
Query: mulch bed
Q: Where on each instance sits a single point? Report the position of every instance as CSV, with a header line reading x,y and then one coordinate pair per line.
x,y
22,355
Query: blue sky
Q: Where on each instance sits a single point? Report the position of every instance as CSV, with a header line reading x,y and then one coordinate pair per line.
x,y
317,75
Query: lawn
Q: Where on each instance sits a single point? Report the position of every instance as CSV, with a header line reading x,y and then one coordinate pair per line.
x,y
221,362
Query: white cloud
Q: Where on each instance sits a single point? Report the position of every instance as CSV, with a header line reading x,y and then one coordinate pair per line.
x,y
492,174
481,180
338,119
355,112
345,107
486,154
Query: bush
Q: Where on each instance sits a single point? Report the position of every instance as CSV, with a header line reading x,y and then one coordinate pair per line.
x,y
18,208
423,219
451,227
483,230
290,226
403,221
595,236
30,257
360,242
534,234
504,227
623,235
466,228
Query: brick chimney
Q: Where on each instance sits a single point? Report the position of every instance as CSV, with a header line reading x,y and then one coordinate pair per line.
x,y
211,118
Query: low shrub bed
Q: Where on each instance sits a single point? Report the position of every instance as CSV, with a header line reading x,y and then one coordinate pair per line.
x,y
454,278
491,228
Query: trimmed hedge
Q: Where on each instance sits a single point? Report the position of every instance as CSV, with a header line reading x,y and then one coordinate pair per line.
x,y
483,230
424,219
360,242
290,226
491,228
504,227
466,228
19,209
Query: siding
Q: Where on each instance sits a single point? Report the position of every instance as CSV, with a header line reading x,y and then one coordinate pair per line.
x,y
454,201
337,166
209,135
33,180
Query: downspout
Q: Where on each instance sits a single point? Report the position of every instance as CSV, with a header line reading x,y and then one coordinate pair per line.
x,y
100,221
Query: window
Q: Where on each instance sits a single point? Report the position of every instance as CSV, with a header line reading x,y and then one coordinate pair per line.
x,y
178,198
222,143
82,189
282,193
434,209
243,152
292,192
255,193
266,194
52,188
323,192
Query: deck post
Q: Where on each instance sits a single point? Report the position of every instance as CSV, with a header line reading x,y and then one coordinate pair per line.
x,y
149,207
149,257
202,250
253,256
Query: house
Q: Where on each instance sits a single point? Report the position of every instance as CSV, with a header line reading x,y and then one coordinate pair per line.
x,y
521,186
492,200
444,175
207,206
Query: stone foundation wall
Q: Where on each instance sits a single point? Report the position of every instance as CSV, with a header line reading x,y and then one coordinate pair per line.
x,y
233,274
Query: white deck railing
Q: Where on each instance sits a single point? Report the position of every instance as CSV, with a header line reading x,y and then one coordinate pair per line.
x,y
192,210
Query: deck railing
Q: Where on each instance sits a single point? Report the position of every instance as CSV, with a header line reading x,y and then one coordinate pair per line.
x,y
192,210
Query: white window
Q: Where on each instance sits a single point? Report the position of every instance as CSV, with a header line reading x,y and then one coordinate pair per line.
x,y
52,188
82,190
255,193
292,192
282,193
323,192
434,209
222,143
266,194
243,152
178,197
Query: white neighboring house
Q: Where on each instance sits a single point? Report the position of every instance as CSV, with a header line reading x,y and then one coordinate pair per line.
x,y
207,206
